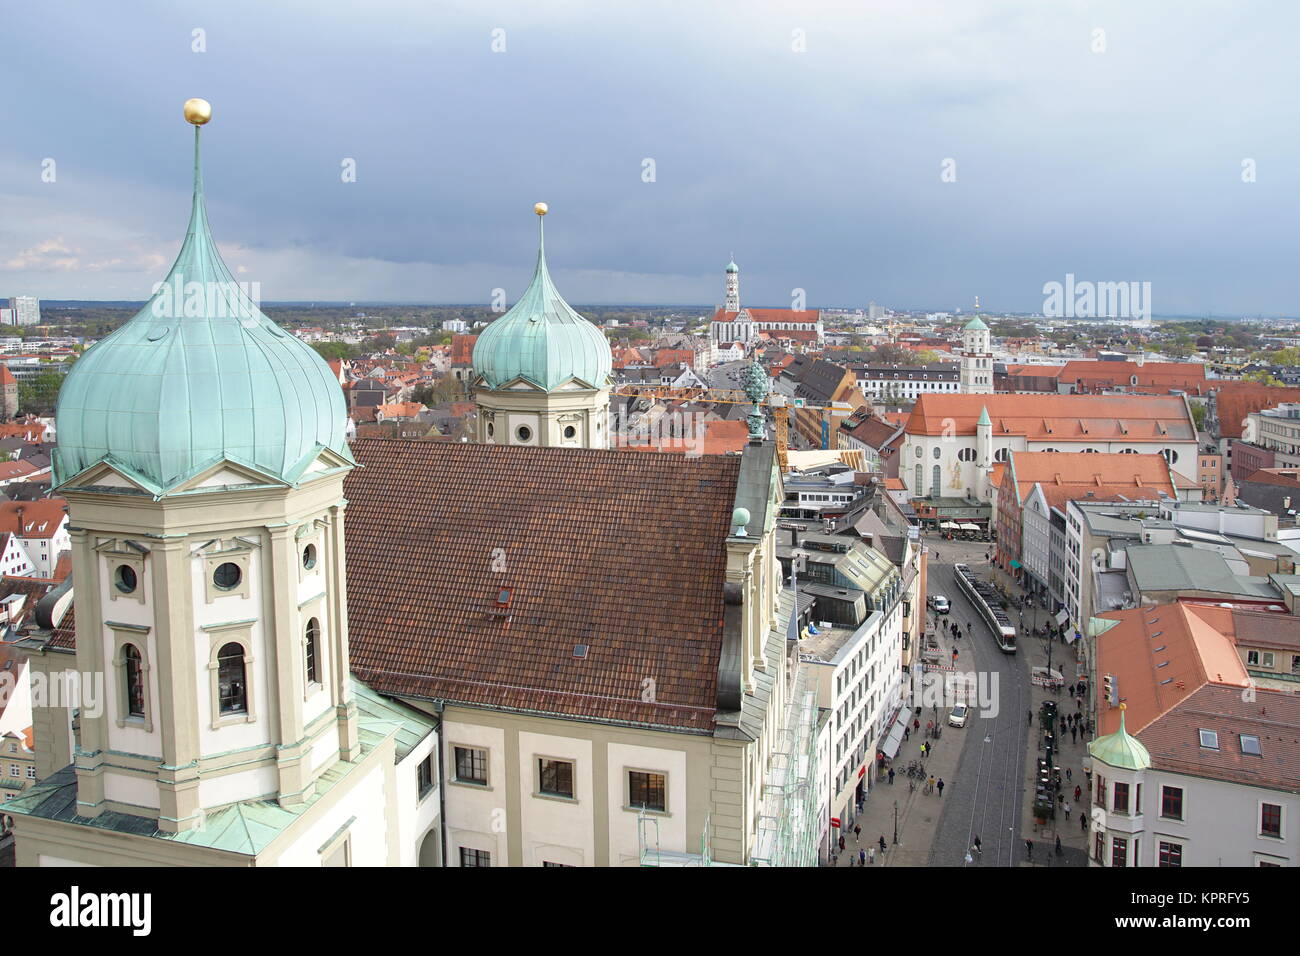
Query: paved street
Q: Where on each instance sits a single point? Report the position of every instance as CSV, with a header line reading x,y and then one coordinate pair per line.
x,y
985,766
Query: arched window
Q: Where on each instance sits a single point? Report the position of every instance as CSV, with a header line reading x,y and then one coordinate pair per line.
x,y
966,454
313,665
1128,451
232,690
134,673
1170,455
938,481
920,483
1001,454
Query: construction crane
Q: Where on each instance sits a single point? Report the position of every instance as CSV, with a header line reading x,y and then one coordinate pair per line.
x,y
779,404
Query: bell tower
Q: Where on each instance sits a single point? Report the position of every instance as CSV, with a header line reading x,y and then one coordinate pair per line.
x,y
976,357
732,301
542,372
202,455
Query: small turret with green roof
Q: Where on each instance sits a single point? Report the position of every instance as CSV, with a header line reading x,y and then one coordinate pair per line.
x,y
975,325
541,340
1121,749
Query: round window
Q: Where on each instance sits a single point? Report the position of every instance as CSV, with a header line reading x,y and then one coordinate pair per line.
x,y
491,430
919,451
309,557
570,431
227,576
523,433
125,578
937,452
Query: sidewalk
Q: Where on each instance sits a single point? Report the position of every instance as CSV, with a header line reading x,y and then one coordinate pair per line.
x,y
918,812
1071,754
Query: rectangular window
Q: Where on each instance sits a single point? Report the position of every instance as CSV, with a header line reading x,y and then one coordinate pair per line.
x,y
1270,819
1171,802
1268,660
471,765
646,790
15,770
1121,798
424,776
1101,792
555,777
1171,854
1252,658
1119,852
470,857
549,863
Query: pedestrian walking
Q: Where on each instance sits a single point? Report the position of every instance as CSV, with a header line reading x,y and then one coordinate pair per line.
x,y
871,856
1058,844
978,848
1083,823
1067,809
907,732
1074,735
1029,849
1078,792
1030,715
891,776
1068,773
857,832
882,843
841,842
940,786
862,855
1071,690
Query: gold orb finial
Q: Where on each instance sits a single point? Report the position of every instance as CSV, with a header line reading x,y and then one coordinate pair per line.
x,y
541,208
197,111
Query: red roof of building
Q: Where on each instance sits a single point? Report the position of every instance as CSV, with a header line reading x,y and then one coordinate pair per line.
x,y
40,519
623,555
1234,401
1059,417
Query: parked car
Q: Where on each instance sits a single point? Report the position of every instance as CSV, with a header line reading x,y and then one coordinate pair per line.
x,y
938,603
957,717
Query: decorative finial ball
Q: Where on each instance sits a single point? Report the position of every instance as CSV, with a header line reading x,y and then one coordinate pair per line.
x,y
541,208
197,111
740,517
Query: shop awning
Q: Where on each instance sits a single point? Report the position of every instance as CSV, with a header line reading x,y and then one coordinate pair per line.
x,y
895,737
967,526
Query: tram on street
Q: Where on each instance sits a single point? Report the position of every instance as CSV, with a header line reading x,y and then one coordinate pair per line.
x,y
989,604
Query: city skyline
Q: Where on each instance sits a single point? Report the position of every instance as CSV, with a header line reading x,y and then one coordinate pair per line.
x,y
813,148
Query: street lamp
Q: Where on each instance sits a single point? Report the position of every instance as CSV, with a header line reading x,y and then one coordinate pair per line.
x,y
895,823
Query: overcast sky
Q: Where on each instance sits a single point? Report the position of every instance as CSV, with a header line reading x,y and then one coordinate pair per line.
x,y
809,139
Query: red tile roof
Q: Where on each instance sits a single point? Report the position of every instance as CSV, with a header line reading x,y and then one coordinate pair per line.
x,y
1071,476
623,553
1233,401
40,519
1059,417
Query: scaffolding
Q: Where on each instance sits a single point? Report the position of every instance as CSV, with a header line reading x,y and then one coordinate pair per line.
x,y
652,855
790,818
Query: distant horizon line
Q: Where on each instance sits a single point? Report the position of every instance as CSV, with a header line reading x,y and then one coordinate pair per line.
x,y
992,313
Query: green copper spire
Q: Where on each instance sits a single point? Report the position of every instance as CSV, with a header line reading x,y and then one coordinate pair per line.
x,y
984,416
976,325
1121,749
755,384
541,340
197,377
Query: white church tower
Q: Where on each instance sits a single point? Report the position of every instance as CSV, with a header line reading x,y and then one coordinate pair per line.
x,y
732,301
976,357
